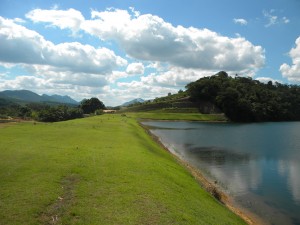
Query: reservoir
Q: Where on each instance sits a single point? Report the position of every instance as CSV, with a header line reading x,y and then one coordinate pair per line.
x,y
258,164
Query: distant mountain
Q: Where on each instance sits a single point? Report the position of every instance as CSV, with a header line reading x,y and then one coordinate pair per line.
x,y
21,95
134,101
59,98
29,96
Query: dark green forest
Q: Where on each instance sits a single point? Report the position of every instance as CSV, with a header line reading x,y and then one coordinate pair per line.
x,y
243,99
49,112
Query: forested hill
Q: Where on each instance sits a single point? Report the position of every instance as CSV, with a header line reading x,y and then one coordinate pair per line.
x,y
243,99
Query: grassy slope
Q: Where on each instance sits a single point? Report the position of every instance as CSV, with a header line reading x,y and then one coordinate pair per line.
x,y
100,170
158,115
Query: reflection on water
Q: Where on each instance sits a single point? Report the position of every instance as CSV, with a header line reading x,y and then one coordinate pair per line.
x,y
258,164
291,170
241,168
217,156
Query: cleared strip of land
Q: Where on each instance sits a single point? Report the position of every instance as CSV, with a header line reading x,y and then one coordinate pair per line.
x,y
98,170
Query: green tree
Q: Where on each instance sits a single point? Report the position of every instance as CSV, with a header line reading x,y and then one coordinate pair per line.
x,y
91,105
244,99
24,112
59,113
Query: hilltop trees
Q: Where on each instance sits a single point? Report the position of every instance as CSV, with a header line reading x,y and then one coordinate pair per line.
x,y
245,100
91,105
58,113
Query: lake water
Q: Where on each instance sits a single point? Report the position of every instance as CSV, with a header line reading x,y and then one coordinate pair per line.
x,y
258,164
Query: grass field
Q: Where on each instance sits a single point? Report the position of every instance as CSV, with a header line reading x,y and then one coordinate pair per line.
x,y
97,170
160,115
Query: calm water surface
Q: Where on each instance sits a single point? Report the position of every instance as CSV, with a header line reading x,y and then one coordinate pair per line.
x,y
258,164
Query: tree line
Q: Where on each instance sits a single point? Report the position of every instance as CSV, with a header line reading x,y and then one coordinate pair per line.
x,y
243,99
50,113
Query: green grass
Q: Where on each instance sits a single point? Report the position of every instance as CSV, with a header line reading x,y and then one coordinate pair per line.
x,y
160,115
176,110
98,170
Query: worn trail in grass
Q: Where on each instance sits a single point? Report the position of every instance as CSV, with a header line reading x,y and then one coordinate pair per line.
x,y
99,170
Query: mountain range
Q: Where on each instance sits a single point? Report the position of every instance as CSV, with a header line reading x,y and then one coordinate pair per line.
x,y
134,101
25,96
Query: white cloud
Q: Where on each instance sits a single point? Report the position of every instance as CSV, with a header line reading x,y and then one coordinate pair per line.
x,y
174,77
148,37
173,55
63,85
240,21
67,68
273,19
3,75
117,75
267,79
54,75
21,45
170,80
24,82
141,89
135,68
285,20
19,20
70,18
132,69
292,72
165,80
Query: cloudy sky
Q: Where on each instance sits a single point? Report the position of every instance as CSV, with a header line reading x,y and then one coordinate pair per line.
x,y
118,50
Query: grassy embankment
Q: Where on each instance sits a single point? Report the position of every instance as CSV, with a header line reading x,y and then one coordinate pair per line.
x,y
99,170
161,115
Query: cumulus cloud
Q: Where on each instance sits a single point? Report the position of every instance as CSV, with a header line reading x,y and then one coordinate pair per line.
x,y
132,69
77,86
19,20
240,21
174,77
67,68
54,75
163,81
24,82
115,75
172,56
149,37
292,72
160,83
135,68
140,88
21,45
70,18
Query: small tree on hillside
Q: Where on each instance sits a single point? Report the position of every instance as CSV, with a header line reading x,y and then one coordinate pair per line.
x,y
91,105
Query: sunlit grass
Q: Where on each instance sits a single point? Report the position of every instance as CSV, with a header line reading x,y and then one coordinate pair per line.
x,y
98,170
155,115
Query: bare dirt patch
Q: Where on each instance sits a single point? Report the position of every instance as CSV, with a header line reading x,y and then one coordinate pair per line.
x,y
55,211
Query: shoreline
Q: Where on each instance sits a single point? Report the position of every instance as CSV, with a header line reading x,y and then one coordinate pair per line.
x,y
249,217
177,120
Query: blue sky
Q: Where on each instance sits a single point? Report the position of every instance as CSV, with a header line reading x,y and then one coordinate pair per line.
x,y
119,50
